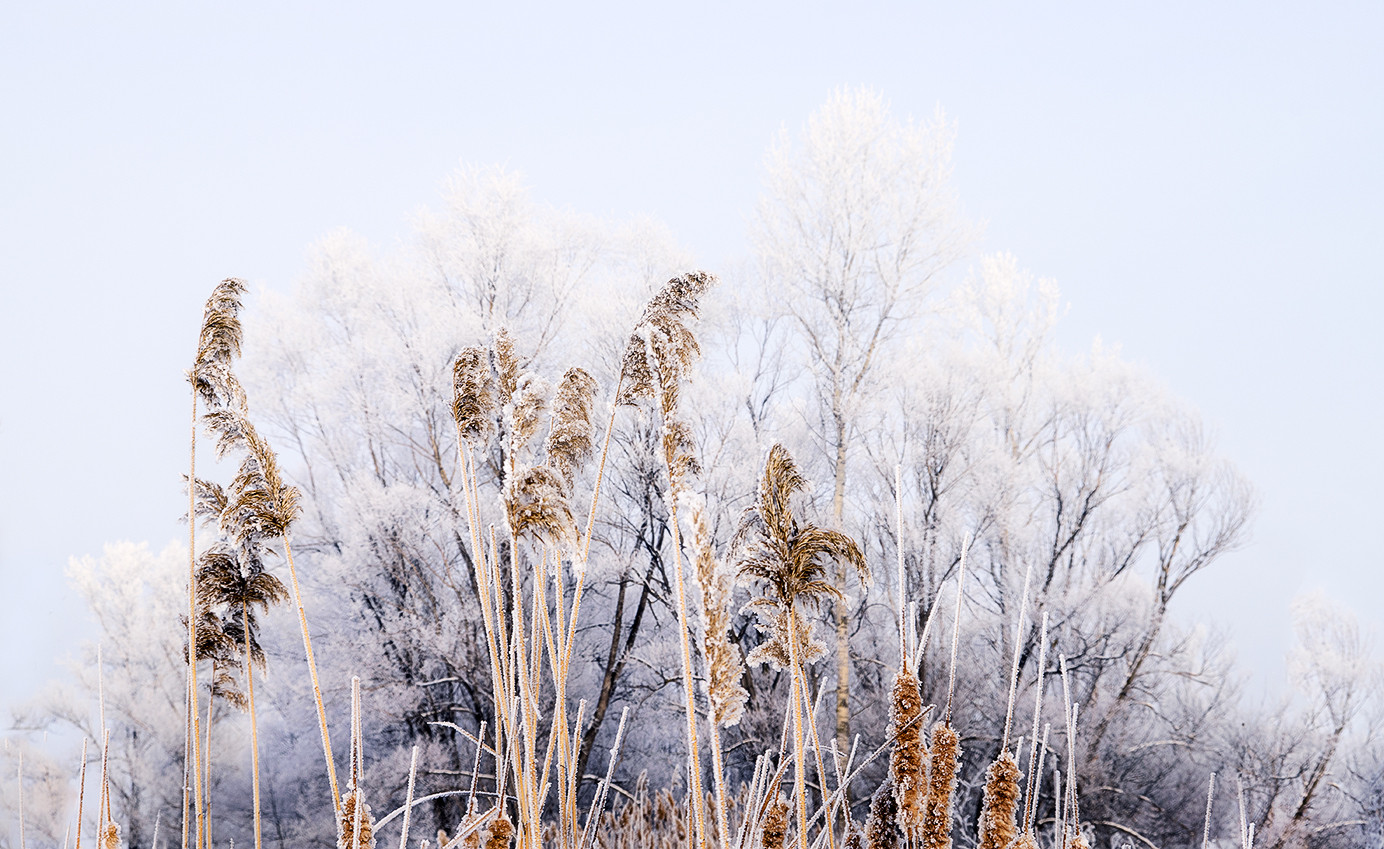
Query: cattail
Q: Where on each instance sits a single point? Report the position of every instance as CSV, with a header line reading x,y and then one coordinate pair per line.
x,y
1001,803
571,441
774,829
110,836
347,838
882,826
473,394
941,785
906,764
501,830
1024,841
855,839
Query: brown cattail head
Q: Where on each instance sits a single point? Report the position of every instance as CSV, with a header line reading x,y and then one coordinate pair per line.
x,y
110,837
1000,803
473,394
882,826
501,830
1024,841
855,839
946,754
727,696
906,763
773,829
347,832
571,441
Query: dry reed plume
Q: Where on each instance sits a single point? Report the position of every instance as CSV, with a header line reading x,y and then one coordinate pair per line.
x,y
530,623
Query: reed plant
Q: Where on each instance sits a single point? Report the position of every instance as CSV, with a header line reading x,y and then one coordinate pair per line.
x,y
530,555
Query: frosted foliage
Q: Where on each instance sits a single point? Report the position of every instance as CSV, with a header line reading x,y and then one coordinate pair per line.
x,y
854,337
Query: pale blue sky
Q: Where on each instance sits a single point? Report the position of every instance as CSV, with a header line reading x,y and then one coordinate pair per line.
x,y
1204,184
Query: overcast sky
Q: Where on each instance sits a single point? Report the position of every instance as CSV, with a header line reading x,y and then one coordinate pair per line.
x,y
1205,186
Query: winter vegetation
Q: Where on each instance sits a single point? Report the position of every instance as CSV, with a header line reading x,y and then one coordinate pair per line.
x,y
527,535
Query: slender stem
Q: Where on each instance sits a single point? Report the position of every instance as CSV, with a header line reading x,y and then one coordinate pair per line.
x,y
81,792
718,775
693,755
956,628
192,612
187,750
206,754
1014,669
408,799
799,771
316,688
254,731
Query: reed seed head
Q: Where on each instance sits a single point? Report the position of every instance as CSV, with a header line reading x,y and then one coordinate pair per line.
x,y
217,344
110,837
727,696
473,394
571,441
536,504
506,365
530,403
789,560
662,347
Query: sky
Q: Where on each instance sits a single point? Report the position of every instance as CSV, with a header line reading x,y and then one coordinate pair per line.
x,y
1203,181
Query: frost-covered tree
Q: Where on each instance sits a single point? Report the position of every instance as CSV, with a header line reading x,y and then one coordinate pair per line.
x,y
856,221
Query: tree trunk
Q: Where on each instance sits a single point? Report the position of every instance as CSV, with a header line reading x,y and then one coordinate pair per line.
x,y
843,647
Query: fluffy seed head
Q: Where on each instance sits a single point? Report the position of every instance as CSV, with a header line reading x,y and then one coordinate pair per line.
x,y
530,403
662,347
506,365
536,503
571,441
727,697
473,394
